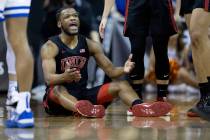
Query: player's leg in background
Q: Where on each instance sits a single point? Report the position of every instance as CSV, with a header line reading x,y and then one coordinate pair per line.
x,y
12,95
200,51
16,27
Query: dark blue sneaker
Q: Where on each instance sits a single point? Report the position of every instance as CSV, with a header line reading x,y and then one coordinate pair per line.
x,y
202,108
203,113
23,120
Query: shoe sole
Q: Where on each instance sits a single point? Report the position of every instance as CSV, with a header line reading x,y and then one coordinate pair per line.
x,y
155,109
192,114
26,123
29,125
129,113
19,125
87,109
99,111
84,107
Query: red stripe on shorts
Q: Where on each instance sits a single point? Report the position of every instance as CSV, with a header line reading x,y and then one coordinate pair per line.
x,y
103,95
206,5
51,95
171,14
126,15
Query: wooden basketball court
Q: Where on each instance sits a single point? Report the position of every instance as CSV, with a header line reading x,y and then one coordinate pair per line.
x,y
116,125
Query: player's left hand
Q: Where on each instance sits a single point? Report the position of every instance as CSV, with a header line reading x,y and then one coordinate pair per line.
x,y
102,27
129,65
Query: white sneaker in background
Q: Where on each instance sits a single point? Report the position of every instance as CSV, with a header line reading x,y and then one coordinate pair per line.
x,y
129,112
12,97
191,89
38,93
1,114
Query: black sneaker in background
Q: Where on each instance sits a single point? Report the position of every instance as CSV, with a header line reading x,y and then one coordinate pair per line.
x,y
202,109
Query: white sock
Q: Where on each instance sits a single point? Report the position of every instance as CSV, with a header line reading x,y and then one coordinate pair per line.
x,y
24,102
12,86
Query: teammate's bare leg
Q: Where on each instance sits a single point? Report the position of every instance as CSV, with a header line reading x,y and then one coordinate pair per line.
x,y
12,95
15,14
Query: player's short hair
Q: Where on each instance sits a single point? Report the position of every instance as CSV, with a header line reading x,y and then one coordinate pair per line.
x,y
58,13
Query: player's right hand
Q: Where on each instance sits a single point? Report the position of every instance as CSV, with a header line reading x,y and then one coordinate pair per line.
x,y
72,74
129,64
102,27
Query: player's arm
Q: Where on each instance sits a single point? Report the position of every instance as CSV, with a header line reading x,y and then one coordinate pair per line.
x,y
177,9
104,63
108,4
48,54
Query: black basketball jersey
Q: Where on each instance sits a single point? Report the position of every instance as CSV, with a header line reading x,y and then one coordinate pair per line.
x,y
77,58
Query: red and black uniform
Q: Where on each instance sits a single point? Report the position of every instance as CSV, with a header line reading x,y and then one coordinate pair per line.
x,y
205,4
154,16
149,18
77,58
187,6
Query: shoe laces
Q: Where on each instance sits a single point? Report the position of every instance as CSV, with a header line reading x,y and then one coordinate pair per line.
x,y
94,111
204,101
207,101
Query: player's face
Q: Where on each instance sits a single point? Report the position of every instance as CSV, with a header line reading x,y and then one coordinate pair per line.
x,y
69,21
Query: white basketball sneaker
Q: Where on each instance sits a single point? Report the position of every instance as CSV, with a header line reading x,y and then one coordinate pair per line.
x,y
129,112
12,97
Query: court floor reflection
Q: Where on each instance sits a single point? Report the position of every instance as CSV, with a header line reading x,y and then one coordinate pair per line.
x,y
114,126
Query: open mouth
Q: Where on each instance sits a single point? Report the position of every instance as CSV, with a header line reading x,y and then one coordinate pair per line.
x,y
73,25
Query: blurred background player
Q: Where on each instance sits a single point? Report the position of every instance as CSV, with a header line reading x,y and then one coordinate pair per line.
x,y
199,32
193,10
142,18
12,95
180,71
15,14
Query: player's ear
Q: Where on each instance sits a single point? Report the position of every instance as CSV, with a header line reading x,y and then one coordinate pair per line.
x,y
59,24
79,23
